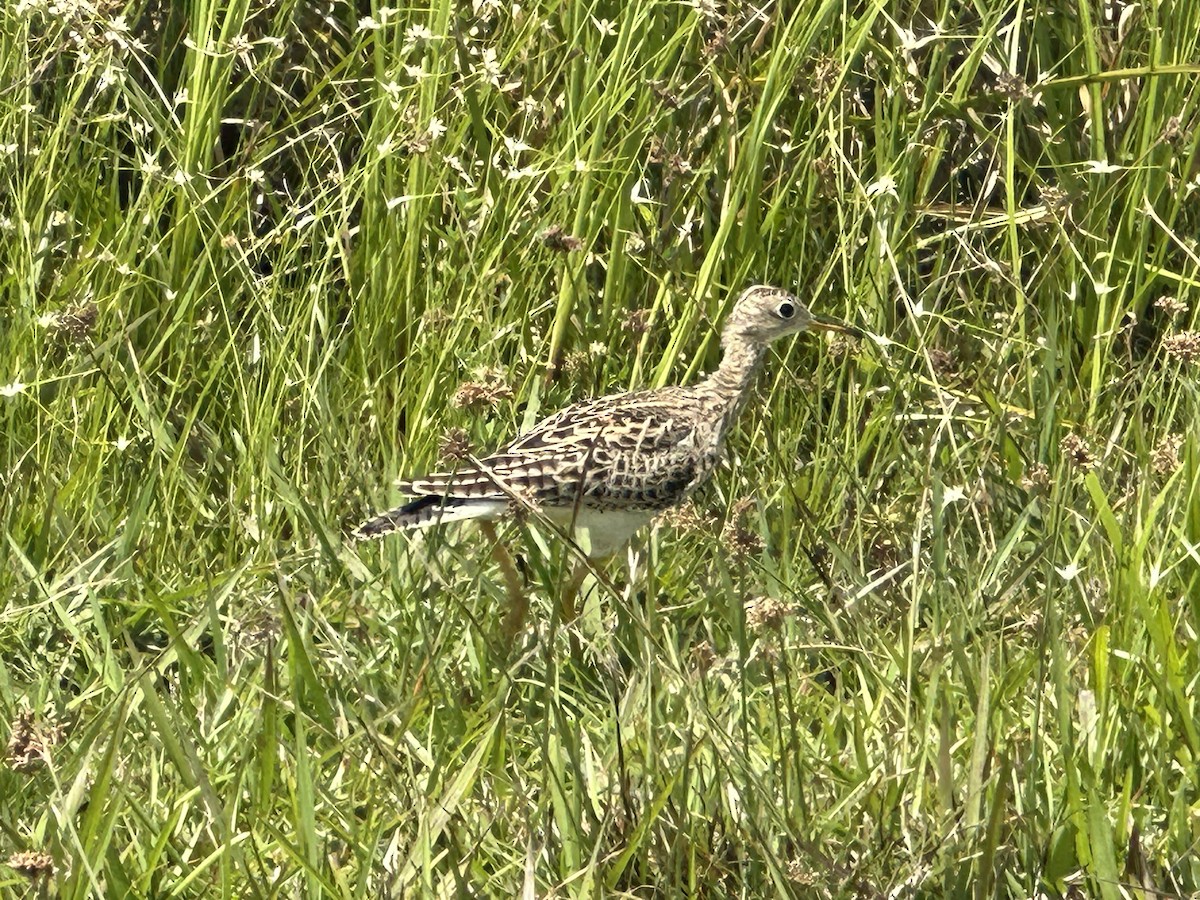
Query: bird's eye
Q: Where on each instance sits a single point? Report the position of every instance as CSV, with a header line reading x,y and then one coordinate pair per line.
x,y
786,310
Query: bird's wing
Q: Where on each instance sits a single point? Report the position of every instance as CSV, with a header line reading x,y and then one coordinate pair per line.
x,y
628,450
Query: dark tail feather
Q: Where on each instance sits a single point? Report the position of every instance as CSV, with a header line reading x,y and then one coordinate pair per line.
x,y
414,514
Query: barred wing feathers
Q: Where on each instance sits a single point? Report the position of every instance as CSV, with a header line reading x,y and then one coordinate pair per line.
x,y
622,452
630,450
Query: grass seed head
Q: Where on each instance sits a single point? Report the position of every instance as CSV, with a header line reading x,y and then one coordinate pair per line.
x,y
799,873
838,347
32,864
943,362
817,80
576,363
522,504
1183,346
24,753
557,239
703,656
709,10
1172,306
1173,132
1056,199
1165,458
765,614
716,44
489,390
1078,453
455,445
739,537
686,517
669,98
27,743
825,174
435,317
679,164
1036,478
1012,88
75,324
636,321
655,150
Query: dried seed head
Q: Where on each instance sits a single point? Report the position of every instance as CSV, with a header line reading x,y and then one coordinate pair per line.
x,y
838,347
1036,478
655,151
558,240
1183,345
1056,199
709,10
740,539
1078,453
1172,132
522,504
455,445
32,864
252,633
679,164
488,390
1012,88
24,753
703,656
799,873
943,362
1172,306
686,517
74,325
766,614
471,394
435,317
1165,458
576,363
230,241
27,743
636,321
767,651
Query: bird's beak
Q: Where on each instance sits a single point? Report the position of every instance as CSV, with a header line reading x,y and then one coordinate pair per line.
x,y
828,323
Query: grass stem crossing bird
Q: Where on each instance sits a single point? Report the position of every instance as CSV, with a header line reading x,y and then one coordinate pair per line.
x,y
603,468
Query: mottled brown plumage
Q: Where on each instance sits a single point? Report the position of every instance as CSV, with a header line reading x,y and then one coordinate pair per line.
x,y
635,453
605,467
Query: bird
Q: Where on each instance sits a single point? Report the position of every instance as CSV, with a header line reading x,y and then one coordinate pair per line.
x,y
602,469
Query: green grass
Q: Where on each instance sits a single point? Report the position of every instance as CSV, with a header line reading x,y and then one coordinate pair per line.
x,y
251,252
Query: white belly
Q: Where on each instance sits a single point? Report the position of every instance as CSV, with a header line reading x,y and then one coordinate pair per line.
x,y
600,532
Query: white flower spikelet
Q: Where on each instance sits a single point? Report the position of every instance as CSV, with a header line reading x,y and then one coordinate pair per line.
x,y
885,185
436,128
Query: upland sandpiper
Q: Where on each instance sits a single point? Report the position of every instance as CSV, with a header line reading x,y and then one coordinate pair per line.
x,y
603,468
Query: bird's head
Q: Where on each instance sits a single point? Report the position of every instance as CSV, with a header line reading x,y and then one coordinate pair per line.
x,y
763,314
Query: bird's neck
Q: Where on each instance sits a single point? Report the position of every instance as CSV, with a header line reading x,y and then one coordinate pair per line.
x,y
740,363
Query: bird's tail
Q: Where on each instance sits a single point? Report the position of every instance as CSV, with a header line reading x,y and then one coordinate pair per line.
x,y
424,512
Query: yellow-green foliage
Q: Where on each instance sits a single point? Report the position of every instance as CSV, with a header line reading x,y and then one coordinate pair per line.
x,y
932,633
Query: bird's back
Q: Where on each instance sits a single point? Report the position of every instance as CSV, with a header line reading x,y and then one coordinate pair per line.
x,y
634,450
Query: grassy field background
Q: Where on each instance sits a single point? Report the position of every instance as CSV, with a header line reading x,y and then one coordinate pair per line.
x,y
931,633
